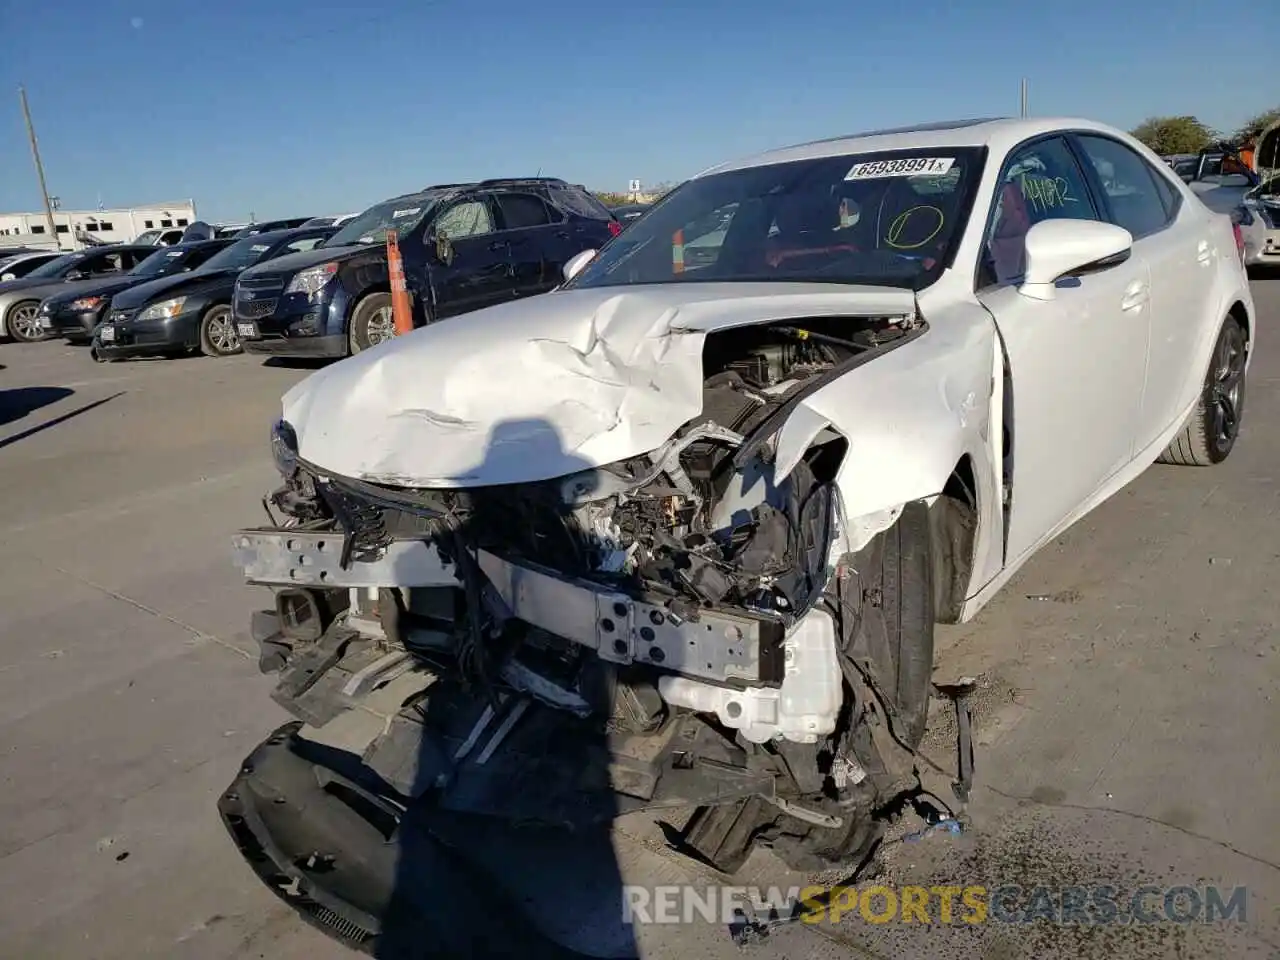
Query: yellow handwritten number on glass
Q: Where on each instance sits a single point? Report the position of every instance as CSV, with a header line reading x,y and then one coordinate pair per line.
x,y
899,226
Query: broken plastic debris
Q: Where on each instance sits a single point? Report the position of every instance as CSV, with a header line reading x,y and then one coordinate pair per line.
x,y
1062,596
1220,561
950,824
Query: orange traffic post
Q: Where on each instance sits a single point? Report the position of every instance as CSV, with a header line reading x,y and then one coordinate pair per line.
x,y
401,309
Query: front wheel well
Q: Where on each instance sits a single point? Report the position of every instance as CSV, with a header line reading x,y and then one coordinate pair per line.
x,y
1239,311
953,523
354,301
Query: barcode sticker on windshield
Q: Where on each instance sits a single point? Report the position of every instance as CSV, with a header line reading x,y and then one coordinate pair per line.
x,y
405,213
911,167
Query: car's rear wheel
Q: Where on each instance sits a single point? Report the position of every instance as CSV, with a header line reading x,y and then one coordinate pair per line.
x,y
372,322
23,321
218,337
1210,432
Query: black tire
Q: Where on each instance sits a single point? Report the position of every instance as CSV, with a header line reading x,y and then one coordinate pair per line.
x,y
218,332
370,321
896,633
894,645
21,321
1209,435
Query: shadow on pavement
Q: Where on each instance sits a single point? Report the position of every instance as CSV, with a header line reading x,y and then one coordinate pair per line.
x,y
18,402
476,825
299,363
7,441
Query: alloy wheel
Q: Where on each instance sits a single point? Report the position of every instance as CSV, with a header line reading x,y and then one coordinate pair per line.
x,y
381,327
24,323
222,332
1226,385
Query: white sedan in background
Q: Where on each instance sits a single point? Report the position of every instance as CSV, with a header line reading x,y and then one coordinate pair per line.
x,y
744,478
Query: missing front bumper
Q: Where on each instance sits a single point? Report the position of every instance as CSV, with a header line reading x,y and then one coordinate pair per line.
x,y
710,644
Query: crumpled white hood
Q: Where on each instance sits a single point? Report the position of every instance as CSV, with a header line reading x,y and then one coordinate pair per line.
x,y
541,387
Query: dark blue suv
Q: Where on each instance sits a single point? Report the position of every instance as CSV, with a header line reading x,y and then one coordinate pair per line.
x,y
465,246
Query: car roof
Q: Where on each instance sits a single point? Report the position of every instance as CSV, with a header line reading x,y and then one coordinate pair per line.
x,y
997,134
112,248
24,254
271,236
198,244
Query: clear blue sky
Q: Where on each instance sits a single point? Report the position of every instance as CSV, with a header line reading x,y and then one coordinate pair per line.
x,y
287,107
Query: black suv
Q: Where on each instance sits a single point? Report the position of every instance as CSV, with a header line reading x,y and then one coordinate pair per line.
x,y
465,246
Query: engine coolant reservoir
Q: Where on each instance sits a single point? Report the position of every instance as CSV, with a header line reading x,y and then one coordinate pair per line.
x,y
803,709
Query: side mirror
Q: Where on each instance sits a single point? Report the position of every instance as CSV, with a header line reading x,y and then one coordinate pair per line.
x,y
7,276
444,248
1061,248
575,264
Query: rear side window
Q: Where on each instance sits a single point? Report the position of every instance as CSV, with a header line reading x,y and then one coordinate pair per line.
x,y
580,203
522,210
1130,185
197,257
1168,195
299,246
104,264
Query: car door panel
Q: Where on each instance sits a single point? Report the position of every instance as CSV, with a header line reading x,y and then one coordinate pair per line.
x,y
1077,362
527,225
478,273
1177,242
1077,365
528,267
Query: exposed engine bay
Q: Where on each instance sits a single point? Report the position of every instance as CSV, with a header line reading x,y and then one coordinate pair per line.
x,y
691,627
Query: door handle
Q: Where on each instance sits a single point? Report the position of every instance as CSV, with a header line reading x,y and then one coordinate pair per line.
x,y
1135,295
499,245
1204,252
562,234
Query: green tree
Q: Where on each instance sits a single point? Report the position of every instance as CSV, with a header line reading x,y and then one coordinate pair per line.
x,y
1254,126
613,198
1166,135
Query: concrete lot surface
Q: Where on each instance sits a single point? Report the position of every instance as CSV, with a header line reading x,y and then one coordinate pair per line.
x,y
1125,717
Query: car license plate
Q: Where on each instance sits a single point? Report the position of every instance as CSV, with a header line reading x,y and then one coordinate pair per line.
x,y
107,334
247,329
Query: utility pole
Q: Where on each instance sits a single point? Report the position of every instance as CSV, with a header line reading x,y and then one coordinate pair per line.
x,y
1024,97
35,153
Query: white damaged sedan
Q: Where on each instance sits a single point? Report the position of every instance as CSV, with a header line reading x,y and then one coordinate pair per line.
x,y
678,532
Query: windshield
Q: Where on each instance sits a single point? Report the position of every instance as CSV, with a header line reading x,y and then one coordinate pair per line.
x,y
163,261
241,254
149,236
888,219
55,267
402,215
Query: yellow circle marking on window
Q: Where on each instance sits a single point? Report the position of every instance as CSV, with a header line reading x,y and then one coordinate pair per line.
x,y
899,226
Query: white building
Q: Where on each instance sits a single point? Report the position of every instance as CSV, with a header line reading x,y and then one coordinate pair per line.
x,y
79,228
